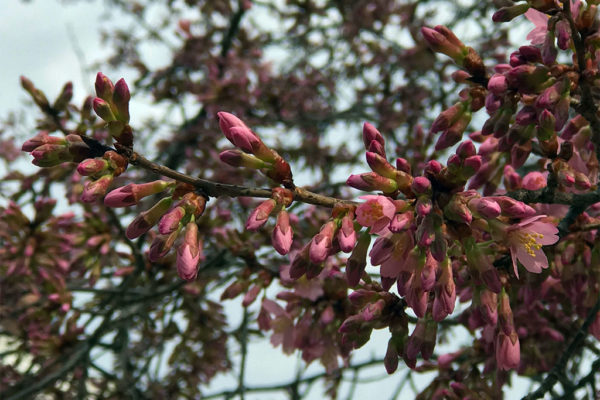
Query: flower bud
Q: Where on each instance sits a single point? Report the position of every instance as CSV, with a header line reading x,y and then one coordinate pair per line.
x,y
236,158
442,40
92,166
189,253
346,235
508,352
380,165
282,236
104,87
121,99
131,194
371,181
356,263
40,139
147,219
320,245
103,110
370,134
258,217
506,14
169,222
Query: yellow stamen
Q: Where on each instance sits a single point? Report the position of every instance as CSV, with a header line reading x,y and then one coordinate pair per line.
x,y
530,242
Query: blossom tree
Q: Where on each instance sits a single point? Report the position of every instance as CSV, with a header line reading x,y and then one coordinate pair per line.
x,y
479,211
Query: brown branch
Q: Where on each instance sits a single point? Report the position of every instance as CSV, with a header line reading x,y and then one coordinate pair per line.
x,y
558,370
216,189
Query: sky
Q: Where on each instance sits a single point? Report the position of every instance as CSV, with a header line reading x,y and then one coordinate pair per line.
x,y
52,42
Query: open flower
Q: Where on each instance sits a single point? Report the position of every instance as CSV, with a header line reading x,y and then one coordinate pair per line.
x,y
540,20
525,241
376,212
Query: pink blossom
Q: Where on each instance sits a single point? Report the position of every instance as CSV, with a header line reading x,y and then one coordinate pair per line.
x,y
525,241
376,213
540,20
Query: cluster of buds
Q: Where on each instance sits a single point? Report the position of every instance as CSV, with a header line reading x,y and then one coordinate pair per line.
x,y
49,151
173,217
377,309
338,233
385,177
101,171
255,154
282,236
112,105
452,123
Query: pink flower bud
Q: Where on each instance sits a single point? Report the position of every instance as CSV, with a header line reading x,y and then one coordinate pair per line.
x,y
508,13
189,253
370,134
228,121
147,219
534,181
245,139
49,155
403,165
371,181
121,97
258,217
442,40
433,168
132,193
466,149
513,208
170,221
320,245
104,87
421,185
282,236
356,263
95,189
424,206
236,158
92,166
300,263
103,110
447,118
498,84
527,78
575,125
346,235
380,165
40,139
512,180
445,293
471,165
161,246
486,207
508,352
401,222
